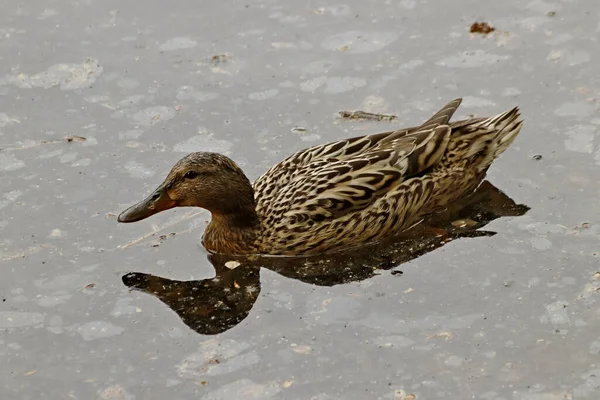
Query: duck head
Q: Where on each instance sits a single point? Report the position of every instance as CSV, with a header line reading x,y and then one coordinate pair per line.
x,y
208,180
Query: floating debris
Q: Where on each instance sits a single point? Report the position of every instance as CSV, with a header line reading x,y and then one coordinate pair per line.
x,y
90,286
537,157
551,14
401,394
115,392
232,264
75,138
366,116
164,237
482,28
463,223
301,349
397,272
557,314
442,335
287,384
585,225
298,129
220,58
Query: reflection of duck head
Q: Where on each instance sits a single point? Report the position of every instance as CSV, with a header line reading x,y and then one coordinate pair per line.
x,y
208,306
214,305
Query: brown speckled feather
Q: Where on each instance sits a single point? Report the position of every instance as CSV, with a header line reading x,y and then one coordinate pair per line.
x,y
348,192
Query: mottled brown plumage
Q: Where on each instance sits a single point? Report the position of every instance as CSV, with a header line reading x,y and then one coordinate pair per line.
x,y
340,194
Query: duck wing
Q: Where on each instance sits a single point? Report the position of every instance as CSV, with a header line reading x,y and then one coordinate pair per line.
x,y
332,188
328,181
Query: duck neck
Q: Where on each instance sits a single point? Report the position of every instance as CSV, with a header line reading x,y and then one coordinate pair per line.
x,y
233,232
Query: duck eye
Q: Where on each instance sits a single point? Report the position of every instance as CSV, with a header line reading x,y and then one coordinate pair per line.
x,y
191,175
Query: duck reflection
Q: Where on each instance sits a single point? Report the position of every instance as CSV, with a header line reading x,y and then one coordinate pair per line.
x,y
212,306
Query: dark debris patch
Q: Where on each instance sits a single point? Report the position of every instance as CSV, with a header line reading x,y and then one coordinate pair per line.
x,y
482,28
220,59
75,138
68,139
164,237
362,115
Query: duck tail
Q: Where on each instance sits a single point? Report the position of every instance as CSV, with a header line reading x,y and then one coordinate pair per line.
x,y
498,133
508,125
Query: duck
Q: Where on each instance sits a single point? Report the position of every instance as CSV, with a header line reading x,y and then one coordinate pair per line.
x,y
338,195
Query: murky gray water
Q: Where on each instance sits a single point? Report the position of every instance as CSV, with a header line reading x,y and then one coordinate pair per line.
x,y
509,316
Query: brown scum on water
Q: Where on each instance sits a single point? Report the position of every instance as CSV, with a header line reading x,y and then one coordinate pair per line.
x,y
482,28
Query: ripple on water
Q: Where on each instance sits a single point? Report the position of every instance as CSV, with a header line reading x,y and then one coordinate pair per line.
x,y
203,142
472,59
217,357
98,330
178,43
580,138
9,162
266,94
152,115
359,42
66,76
137,170
19,319
575,109
244,389
189,93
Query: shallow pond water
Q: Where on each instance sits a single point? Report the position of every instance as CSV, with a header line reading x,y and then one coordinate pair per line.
x,y
99,99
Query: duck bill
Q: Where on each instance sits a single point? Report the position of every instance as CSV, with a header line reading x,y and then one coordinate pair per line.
x,y
158,201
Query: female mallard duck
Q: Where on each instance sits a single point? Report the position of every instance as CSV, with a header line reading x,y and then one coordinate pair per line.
x,y
336,195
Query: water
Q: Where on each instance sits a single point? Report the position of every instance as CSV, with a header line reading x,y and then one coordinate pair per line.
x,y
472,315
